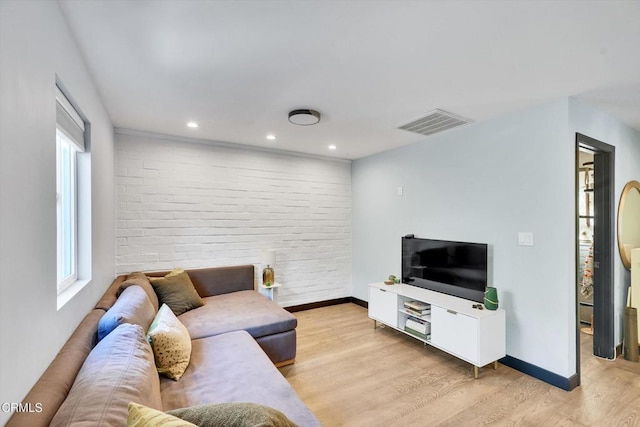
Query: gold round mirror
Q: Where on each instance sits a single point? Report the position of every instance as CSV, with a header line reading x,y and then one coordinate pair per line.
x,y
629,221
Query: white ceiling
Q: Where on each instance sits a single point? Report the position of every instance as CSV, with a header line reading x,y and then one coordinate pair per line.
x,y
238,67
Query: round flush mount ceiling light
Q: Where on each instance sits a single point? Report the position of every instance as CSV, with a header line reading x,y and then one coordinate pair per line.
x,y
192,125
304,117
332,147
271,137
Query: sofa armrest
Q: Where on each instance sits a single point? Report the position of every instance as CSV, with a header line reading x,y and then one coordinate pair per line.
x,y
50,391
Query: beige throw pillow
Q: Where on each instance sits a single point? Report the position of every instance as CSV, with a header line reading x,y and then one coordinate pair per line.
x,y
174,272
170,342
141,416
177,291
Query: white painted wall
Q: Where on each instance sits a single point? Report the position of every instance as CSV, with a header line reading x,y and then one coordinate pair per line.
x,y
484,183
35,45
189,203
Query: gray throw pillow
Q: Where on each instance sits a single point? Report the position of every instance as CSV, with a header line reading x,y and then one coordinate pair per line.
x,y
177,291
233,415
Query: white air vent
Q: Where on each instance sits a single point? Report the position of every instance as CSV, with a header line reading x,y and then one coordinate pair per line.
x,y
434,122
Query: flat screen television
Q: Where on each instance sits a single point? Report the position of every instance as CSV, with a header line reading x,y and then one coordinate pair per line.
x,y
454,268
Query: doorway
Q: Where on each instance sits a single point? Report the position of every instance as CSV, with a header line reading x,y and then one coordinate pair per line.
x,y
586,220
594,271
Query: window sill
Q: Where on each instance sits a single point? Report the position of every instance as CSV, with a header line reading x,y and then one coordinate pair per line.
x,y
66,295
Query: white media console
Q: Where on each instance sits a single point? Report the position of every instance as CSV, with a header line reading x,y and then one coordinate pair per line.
x,y
473,335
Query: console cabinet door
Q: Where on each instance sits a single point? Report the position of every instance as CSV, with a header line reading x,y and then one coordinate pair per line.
x,y
383,306
455,333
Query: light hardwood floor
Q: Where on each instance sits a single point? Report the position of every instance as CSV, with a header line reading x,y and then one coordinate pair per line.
x,y
350,374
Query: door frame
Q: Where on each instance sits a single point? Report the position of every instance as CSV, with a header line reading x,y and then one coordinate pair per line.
x,y
604,240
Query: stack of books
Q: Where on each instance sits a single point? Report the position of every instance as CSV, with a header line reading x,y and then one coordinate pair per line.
x,y
419,328
415,325
417,308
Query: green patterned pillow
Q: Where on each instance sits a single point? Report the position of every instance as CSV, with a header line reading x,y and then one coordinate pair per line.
x,y
141,416
170,342
233,414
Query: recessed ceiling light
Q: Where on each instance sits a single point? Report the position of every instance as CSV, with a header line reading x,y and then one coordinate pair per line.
x,y
192,125
271,137
332,147
304,117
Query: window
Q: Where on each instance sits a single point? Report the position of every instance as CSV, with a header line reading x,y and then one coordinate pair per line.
x,y
70,137
66,210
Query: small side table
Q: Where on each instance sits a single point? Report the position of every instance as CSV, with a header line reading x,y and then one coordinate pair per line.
x,y
270,292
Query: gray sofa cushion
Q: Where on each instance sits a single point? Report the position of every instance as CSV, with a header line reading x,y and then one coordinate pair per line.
x,y
140,279
132,306
120,284
120,369
236,311
279,347
232,368
218,280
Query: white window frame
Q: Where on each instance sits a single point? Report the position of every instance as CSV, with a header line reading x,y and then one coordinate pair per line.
x,y
66,280
70,136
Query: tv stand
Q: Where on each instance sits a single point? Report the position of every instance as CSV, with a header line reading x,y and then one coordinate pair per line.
x,y
454,326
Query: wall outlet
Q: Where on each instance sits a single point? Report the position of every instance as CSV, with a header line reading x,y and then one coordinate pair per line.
x,y
525,239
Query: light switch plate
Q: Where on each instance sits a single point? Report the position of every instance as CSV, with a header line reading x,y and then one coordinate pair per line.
x,y
401,191
525,239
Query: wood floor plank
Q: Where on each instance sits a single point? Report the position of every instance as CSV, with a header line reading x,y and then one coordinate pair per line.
x,y
350,374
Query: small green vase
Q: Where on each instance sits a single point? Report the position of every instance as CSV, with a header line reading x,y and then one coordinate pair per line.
x,y
491,298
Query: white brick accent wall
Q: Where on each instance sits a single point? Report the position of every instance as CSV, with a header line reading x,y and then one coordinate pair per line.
x,y
184,203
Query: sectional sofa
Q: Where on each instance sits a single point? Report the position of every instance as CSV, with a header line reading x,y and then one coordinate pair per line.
x,y
238,338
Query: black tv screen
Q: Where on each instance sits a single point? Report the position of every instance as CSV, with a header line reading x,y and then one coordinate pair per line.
x,y
454,268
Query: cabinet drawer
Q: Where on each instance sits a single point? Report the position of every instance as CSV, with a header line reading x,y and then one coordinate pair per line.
x,y
383,306
455,332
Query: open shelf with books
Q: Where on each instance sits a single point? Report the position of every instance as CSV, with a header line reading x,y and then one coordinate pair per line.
x,y
426,317
415,317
